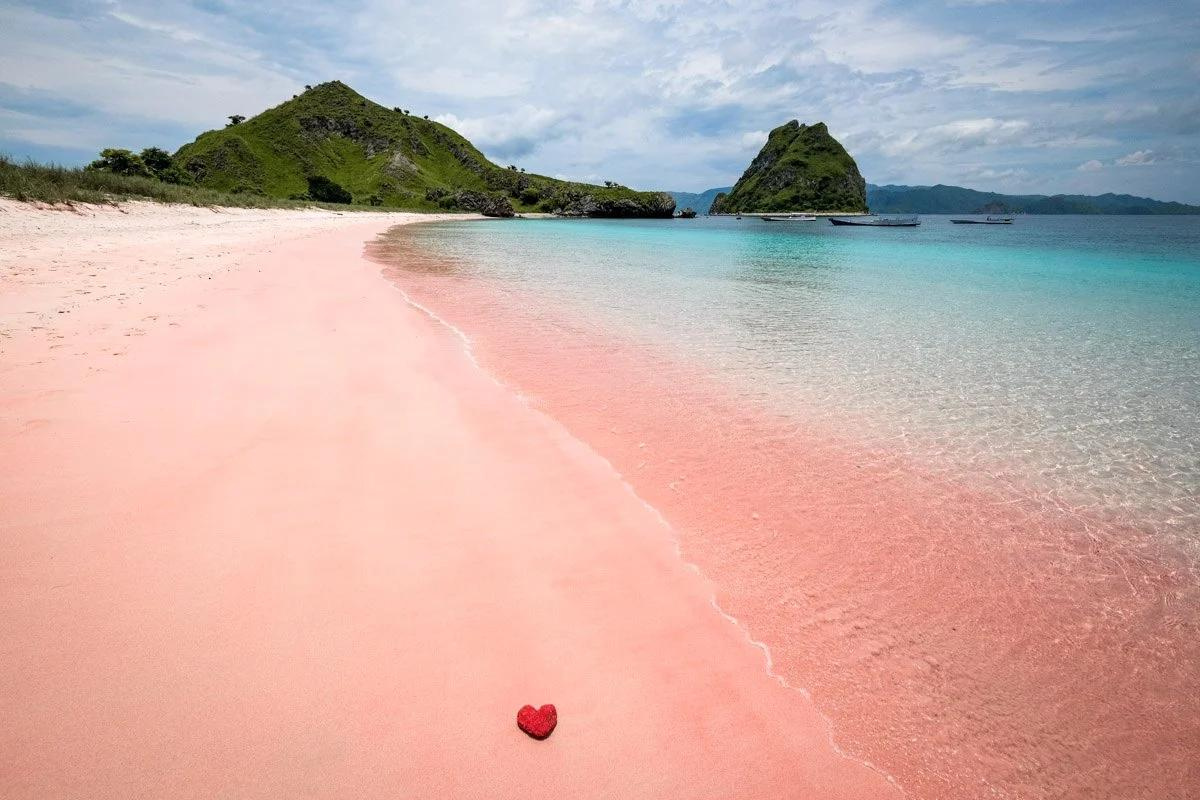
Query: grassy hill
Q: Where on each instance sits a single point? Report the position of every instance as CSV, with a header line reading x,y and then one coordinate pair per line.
x,y
386,157
942,199
800,168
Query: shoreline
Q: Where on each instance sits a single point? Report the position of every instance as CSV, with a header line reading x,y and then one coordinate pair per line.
x,y
860,549
238,557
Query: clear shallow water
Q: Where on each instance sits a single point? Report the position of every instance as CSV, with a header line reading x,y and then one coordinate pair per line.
x,y
1061,350
949,475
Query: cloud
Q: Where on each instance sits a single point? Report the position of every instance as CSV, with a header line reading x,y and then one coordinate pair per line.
x,y
1138,158
959,135
1090,166
650,93
511,134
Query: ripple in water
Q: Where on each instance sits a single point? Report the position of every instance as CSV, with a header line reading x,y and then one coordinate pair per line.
x,y
951,483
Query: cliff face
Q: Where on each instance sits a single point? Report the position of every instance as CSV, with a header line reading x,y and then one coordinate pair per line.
x,y
800,168
387,157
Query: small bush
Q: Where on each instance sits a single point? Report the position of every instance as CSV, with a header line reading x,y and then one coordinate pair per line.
x,y
324,190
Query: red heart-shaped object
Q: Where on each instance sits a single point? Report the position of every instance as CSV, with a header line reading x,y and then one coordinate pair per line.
x,y
537,722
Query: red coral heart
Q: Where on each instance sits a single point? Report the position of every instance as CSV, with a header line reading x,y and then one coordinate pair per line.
x,y
537,722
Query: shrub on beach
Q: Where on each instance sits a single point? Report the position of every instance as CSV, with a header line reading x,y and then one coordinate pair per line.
x,y
120,162
324,190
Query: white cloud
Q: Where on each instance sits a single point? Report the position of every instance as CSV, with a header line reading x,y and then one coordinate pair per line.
x,y
1137,158
1090,166
958,136
754,140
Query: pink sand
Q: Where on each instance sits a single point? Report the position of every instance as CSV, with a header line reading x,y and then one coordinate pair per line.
x,y
266,531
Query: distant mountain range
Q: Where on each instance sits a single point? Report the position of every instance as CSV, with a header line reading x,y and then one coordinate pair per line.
x,y
330,143
942,199
700,203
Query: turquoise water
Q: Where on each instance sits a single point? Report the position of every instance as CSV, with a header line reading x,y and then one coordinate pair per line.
x,y
1059,354
948,476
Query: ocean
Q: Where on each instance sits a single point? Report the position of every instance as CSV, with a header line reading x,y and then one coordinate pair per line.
x,y
947,476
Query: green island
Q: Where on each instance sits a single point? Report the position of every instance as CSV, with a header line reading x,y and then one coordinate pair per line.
x,y
800,168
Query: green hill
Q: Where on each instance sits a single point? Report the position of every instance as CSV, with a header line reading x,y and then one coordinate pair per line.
x,y
385,157
800,168
942,199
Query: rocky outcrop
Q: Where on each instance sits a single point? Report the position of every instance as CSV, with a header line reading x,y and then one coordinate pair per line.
x,y
490,205
644,204
800,168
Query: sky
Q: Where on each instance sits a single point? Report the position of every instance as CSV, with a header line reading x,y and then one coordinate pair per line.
x,y
1018,96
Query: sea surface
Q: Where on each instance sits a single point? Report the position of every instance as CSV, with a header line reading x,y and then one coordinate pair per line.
x,y
948,476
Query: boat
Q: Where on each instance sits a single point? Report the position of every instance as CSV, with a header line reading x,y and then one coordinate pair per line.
x,y
790,218
988,221
872,221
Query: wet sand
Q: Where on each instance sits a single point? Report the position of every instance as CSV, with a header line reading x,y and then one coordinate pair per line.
x,y
266,530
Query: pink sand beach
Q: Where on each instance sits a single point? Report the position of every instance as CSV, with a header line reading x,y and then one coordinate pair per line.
x,y
267,530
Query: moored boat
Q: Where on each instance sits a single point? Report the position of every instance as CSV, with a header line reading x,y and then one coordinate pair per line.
x,y
790,218
873,221
987,221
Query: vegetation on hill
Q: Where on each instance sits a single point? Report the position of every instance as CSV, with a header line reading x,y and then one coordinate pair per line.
x,y
48,183
386,157
800,168
942,199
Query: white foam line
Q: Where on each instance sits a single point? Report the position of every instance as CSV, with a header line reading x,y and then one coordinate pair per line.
x,y
769,661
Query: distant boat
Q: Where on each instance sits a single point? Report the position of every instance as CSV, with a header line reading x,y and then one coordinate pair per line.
x,y
789,218
988,221
873,221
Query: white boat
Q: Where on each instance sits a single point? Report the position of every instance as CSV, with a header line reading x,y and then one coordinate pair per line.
x,y
872,221
790,218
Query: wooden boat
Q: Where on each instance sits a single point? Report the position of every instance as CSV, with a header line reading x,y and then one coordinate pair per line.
x,y
988,221
873,221
796,218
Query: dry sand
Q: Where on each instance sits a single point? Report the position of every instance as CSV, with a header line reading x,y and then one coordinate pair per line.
x,y
266,531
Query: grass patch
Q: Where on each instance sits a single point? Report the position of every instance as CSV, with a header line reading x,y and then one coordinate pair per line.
x,y
49,183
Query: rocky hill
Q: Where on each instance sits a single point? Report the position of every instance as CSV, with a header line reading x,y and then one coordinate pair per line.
x,y
800,168
942,199
331,143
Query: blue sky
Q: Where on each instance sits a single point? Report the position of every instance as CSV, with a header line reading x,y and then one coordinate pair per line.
x,y
1007,95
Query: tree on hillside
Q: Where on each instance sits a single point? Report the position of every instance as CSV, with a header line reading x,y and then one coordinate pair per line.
x,y
157,159
235,119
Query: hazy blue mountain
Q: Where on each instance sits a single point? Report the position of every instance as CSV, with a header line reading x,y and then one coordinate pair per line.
x,y
700,202
942,199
